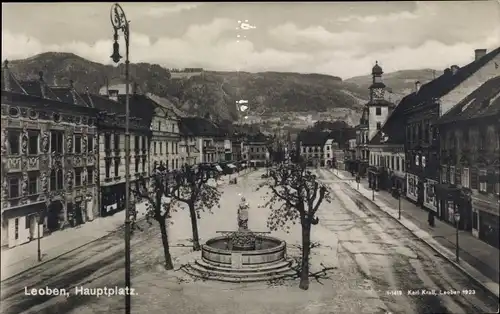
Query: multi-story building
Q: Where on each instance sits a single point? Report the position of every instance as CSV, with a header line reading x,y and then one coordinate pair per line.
x,y
111,143
387,151
165,136
350,155
203,132
48,159
430,102
470,160
255,150
316,148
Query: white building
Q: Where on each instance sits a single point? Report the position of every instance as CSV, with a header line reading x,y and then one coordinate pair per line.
x,y
316,148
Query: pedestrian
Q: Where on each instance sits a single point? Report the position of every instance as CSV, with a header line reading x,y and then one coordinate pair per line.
x,y
431,218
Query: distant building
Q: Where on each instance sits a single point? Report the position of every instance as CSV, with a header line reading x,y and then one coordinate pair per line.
x,y
255,150
316,148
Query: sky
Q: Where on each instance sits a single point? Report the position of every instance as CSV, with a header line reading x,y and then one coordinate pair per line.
x,y
337,38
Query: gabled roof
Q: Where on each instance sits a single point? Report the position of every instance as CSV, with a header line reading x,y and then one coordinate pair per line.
x,y
167,104
482,102
69,95
10,83
140,106
314,138
448,81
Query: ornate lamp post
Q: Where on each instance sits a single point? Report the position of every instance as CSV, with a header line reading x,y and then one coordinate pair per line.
x,y
120,23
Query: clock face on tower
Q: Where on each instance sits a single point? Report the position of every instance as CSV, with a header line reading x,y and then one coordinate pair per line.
x,y
378,93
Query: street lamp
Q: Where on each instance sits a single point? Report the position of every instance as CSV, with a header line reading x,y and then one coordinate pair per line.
x,y
120,23
399,203
457,247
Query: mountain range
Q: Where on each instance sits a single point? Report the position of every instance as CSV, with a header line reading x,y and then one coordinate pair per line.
x,y
216,93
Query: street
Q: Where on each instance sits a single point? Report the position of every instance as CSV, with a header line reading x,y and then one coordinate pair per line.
x,y
375,259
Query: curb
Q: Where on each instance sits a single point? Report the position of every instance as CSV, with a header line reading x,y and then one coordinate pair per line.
x,y
67,252
441,252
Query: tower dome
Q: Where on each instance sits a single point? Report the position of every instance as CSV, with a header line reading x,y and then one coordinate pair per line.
x,y
377,70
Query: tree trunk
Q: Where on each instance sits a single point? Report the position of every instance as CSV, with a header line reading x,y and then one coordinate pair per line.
x,y
306,249
194,227
166,248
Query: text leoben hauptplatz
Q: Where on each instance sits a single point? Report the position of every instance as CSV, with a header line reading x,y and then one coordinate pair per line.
x,y
80,290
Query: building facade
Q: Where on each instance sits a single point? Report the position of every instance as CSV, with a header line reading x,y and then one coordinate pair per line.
x,y
316,148
111,141
469,158
430,102
48,159
256,150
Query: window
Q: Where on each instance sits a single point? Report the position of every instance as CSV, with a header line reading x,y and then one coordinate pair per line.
x,y
108,166
452,175
144,143
166,148
136,143
33,142
161,148
159,125
27,221
78,176
424,162
117,142
154,148
379,125
173,149
475,220
116,164
173,128
90,175
78,144
465,178
56,141
483,184
143,164
444,172
16,228
403,165
13,187
107,141
14,138
56,180
176,148
137,160
32,183
176,163
90,143
378,111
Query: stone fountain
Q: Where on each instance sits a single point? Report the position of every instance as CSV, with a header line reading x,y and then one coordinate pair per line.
x,y
242,255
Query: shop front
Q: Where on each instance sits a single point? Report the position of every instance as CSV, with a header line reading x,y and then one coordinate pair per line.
x,y
430,199
412,187
113,199
488,220
398,182
373,178
451,199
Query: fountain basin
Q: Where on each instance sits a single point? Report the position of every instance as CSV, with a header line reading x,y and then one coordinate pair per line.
x,y
221,261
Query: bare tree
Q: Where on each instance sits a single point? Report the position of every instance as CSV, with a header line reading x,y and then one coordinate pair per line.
x,y
157,207
191,186
296,195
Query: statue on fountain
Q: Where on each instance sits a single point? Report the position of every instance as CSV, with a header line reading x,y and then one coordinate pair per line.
x,y
243,215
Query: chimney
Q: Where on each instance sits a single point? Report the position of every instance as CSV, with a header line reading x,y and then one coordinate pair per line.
x,y
42,84
6,76
479,53
417,86
454,69
113,94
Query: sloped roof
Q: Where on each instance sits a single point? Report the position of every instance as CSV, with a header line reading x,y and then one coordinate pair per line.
x,y
448,81
12,83
197,126
259,137
69,95
167,104
140,106
482,102
313,138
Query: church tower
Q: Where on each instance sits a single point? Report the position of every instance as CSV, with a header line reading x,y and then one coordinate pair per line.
x,y
378,107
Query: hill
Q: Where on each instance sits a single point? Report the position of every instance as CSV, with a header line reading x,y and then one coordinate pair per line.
x,y
216,93
400,82
213,92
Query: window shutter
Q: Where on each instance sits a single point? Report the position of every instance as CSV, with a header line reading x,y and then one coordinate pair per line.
x,y
458,175
490,181
474,183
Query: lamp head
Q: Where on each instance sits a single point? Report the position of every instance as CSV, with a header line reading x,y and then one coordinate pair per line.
x,y
116,52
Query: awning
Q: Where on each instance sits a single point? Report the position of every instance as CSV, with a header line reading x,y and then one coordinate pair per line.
x,y
218,168
231,166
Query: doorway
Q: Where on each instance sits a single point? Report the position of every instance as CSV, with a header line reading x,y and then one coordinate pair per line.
x,y
54,212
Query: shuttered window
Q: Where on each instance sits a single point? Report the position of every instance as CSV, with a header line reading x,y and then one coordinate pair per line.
x,y
474,184
458,175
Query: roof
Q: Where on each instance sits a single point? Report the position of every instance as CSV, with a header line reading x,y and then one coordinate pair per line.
x,y
448,81
394,123
197,126
313,138
140,106
69,95
482,102
259,137
167,104
377,70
